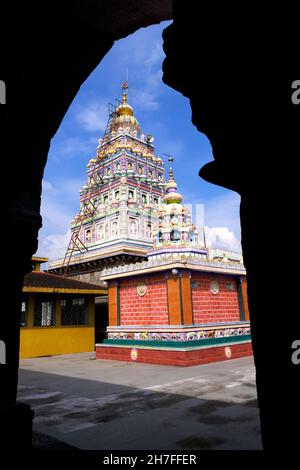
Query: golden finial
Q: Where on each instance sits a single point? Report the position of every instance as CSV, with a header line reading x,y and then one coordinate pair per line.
x,y
170,160
124,87
124,108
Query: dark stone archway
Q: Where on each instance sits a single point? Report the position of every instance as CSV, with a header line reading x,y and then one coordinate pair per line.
x,y
47,51
226,63
229,64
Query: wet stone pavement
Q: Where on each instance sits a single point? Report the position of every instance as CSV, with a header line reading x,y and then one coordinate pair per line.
x,y
93,404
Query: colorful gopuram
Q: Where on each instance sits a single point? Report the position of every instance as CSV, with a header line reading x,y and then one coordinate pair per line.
x,y
119,202
185,305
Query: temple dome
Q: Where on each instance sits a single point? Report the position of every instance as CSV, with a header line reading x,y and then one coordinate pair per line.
x,y
173,198
171,184
124,117
124,109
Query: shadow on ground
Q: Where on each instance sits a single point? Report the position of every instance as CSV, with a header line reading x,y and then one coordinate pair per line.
x,y
183,415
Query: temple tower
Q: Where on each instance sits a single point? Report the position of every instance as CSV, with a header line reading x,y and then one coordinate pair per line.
x,y
120,200
174,226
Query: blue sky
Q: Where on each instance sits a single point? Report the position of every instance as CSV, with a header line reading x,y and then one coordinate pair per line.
x,y
162,112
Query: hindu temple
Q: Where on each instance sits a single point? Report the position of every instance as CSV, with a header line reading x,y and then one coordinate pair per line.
x,y
171,299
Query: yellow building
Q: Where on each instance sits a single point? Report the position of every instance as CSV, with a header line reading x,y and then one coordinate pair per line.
x,y
57,314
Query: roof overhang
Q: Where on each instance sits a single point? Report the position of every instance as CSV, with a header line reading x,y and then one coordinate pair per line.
x,y
60,290
230,270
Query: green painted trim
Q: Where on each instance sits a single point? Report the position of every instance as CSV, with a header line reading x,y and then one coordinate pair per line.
x,y
177,344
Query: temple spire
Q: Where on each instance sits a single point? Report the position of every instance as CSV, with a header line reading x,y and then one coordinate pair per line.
x,y
171,174
124,87
175,228
172,196
124,119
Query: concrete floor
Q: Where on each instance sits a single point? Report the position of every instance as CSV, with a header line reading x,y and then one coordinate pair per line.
x,y
110,405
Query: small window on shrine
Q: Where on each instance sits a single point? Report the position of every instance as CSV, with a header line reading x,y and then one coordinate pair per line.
x,y
100,232
133,226
74,311
88,235
149,231
144,199
160,236
24,313
114,228
105,199
141,170
174,235
129,166
117,195
44,311
155,201
130,194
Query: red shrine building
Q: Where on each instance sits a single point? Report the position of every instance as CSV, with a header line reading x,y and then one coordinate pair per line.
x,y
185,305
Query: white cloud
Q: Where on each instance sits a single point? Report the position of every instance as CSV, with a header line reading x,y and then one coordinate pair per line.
x,y
223,211
46,185
56,215
143,99
73,147
148,73
220,217
59,205
156,55
54,246
142,54
68,190
92,116
222,237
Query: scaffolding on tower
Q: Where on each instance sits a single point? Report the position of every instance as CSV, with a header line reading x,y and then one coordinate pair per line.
x,y
89,207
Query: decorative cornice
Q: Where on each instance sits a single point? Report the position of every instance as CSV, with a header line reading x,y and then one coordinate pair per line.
x,y
185,261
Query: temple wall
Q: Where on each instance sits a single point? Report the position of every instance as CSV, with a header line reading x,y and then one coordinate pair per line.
x,y
149,309
163,296
214,308
179,318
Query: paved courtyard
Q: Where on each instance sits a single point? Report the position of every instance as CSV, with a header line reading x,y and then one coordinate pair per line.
x,y
110,405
